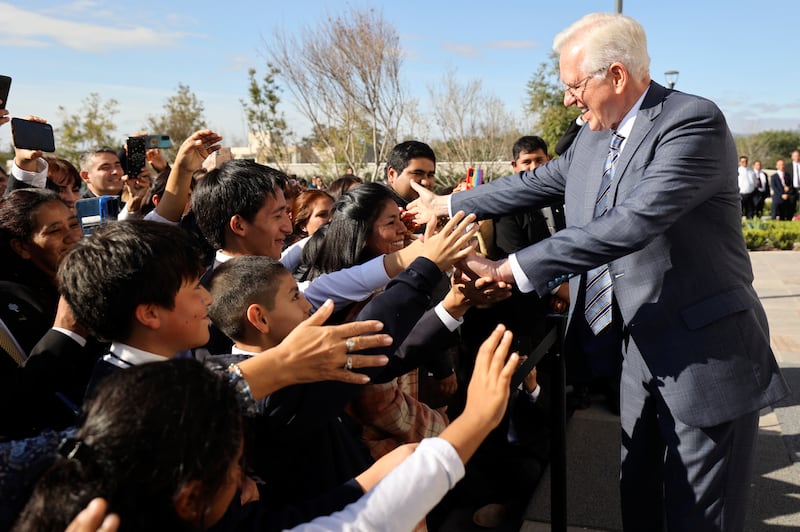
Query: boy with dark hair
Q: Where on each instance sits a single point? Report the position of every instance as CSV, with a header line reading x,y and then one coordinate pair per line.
x,y
241,209
304,430
529,152
137,285
411,161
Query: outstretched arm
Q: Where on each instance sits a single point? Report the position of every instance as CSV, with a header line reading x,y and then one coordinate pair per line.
x,y
190,157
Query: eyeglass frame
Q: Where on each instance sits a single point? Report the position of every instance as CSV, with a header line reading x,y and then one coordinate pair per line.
x,y
572,87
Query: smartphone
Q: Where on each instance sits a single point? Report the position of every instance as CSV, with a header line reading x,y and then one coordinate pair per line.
x,y
94,212
158,141
135,156
30,135
221,155
5,88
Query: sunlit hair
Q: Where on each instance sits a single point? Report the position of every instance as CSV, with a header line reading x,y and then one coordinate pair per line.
x,y
86,157
150,430
19,212
354,214
528,144
238,283
606,38
304,208
56,166
342,184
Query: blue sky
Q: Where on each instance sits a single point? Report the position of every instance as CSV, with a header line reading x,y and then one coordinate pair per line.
x,y
741,54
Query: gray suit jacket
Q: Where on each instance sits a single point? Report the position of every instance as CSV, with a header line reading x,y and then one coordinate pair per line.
x,y
673,242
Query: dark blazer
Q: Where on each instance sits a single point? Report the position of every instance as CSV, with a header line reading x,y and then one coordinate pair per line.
x,y
673,243
776,186
304,442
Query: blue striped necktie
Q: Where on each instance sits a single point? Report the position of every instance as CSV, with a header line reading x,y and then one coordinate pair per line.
x,y
597,306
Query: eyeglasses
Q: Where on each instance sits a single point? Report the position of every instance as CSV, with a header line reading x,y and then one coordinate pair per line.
x,y
572,88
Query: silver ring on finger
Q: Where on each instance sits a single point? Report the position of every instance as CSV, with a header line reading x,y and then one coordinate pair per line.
x,y
350,345
348,363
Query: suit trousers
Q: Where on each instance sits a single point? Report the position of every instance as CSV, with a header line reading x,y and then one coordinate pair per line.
x,y
674,476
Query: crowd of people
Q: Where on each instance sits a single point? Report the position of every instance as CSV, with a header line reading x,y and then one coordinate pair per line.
x,y
782,187
233,268
238,351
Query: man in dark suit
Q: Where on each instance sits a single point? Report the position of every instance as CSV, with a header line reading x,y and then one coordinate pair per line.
x,y
793,181
781,192
657,219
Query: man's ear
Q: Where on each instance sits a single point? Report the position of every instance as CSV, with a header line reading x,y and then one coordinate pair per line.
x,y
237,225
391,174
619,76
258,318
85,175
147,314
188,505
20,248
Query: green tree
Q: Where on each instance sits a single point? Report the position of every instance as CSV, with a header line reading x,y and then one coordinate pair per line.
x,y
546,102
768,146
92,126
182,115
263,118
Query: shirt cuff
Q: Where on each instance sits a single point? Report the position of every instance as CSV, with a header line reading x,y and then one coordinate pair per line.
x,y
36,179
80,340
449,321
153,216
534,395
450,206
523,283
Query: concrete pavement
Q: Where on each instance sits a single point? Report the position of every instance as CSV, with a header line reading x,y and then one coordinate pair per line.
x,y
593,434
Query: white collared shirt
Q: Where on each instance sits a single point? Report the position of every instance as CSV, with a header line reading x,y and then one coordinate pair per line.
x,y
124,355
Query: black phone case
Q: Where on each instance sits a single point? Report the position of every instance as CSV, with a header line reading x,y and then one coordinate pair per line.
x,y
5,88
136,157
30,135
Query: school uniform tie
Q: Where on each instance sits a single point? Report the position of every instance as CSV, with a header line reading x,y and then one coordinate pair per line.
x,y
597,307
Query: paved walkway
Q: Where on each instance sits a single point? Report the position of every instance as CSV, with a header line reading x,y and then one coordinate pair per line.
x,y
593,434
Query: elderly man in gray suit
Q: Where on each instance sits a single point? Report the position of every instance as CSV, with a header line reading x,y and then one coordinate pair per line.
x,y
657,264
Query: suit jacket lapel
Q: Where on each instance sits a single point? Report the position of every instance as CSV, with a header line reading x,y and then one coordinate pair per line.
x,y
651,107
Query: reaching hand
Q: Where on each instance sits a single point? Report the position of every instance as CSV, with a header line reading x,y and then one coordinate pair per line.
x,y
136,190
93,518
482,291
195,149
487,394
314,352
427,205
4,116
488,391
477,266
156,159
451,244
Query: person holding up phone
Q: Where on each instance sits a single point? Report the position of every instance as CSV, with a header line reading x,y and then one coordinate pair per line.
x,y
5,87
29,168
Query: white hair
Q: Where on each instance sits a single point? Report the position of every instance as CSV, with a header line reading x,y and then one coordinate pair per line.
x,y
607,38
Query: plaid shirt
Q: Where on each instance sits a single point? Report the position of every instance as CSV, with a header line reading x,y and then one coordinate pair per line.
x,y
392,415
